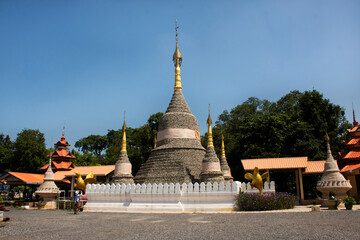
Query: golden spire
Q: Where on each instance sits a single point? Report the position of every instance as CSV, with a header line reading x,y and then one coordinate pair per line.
x,y
210,137
223,156
177,59
123,144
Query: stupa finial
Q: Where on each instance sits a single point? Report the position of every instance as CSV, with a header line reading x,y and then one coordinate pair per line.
x,y
177,59
210,137
50,160
63,132
354,119
123,143
223,156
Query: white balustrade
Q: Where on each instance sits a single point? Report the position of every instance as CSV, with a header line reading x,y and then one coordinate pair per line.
x,y
171,197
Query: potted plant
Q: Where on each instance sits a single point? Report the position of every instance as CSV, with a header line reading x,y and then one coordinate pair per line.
x,y
41,204
349,202
2,205
332,202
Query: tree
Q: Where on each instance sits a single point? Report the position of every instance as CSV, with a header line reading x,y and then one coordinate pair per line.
x,y
93,143
29,151
85,159
6,152
293,126
140,142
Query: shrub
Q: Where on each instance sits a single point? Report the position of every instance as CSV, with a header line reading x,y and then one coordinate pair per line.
x,y
1,200
266,201
349,200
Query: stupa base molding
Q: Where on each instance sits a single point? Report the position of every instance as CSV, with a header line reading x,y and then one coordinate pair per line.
x,y
212,177
124,178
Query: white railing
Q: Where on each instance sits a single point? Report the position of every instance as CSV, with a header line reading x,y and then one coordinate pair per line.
x,y
166,197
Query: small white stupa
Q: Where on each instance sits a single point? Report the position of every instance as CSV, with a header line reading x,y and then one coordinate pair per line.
x,y
48,189
332,180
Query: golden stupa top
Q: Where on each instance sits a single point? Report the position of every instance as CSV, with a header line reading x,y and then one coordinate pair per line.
x,y
210,142
223,156
177,59
177,54
123,143
327,138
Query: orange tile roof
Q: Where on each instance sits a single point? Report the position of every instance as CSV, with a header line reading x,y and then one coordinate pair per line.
x,y
354,153
28,178
63,165
85,170
62,142
275,163
350,167
62,153
355,128
60,165
315,167
353,141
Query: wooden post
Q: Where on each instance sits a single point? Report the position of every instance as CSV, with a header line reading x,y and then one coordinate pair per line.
x,y
301,185
268,177
297,184
72,187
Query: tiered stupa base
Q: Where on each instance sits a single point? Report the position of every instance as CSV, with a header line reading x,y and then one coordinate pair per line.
x,y
49,200
212,177
340,190
123,178
171,165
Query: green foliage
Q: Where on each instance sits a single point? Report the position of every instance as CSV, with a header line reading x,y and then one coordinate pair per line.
x,y
6,152
1,200
264,202
29,151
293,126
93,143
140,142
349,200
86,159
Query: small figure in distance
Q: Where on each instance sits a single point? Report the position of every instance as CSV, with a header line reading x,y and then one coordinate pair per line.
x,y
76,202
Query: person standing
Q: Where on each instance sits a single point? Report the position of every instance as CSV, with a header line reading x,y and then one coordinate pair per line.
x,y
76,202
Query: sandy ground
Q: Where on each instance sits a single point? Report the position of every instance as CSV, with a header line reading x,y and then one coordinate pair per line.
x,y
296,224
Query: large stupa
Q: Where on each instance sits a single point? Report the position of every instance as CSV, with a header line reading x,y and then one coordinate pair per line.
x,y
178,154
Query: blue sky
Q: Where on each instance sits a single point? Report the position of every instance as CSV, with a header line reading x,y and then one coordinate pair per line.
x,y
87,62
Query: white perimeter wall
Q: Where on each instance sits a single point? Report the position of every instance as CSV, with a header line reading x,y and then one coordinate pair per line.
x,y
166,197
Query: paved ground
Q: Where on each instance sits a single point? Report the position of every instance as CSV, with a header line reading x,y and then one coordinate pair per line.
x,y
298,224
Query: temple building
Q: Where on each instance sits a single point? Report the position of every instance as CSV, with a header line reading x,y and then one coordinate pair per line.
x,y
211,169
178,154
62,158
349,160
123,166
